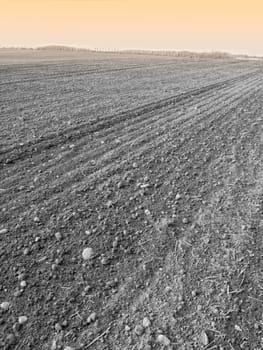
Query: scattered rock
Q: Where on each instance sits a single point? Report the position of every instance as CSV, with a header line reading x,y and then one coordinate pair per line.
x,y
199,307
147,347
185,221
58,327
146,322
16,327
54,344
204,339
178,196
26,251
168,289
10,339
23,284
58,236
5,305
121,185
21,276
18,293
115,242
87,253
237,328
109,204
3,231
22,319
163,340
91,318
127,328
65,323
104,261
138,330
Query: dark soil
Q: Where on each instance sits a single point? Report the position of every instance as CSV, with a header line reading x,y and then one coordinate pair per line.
x,y
156,164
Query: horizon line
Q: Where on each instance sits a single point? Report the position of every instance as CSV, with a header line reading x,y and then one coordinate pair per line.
x,y
61,47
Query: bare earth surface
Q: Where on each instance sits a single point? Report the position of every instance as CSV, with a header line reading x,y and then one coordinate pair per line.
x,y
154,163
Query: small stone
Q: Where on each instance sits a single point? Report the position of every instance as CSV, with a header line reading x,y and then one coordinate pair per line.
x,y
194,293
163,340
180,298
146,322
10,339
127,328
87,289
104,261
58,327
115,243
65,323
92,317
58,236
138,330
3,231
178,196
68,348
16,327
87,253
204,339
168,289
5,305
36,219
199,307
23,284
109,204
147,347
22,319
54,344
185,221
17,293
237,328
26,251
21,276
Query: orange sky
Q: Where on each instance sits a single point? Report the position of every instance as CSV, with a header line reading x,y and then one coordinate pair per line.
x,y
228,25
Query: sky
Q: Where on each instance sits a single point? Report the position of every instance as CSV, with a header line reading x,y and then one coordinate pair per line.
x,y
197,25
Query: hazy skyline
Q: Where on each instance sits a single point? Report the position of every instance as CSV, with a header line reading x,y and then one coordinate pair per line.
x,y
206,25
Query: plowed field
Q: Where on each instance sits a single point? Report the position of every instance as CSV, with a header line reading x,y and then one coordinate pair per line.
x,y
156,164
